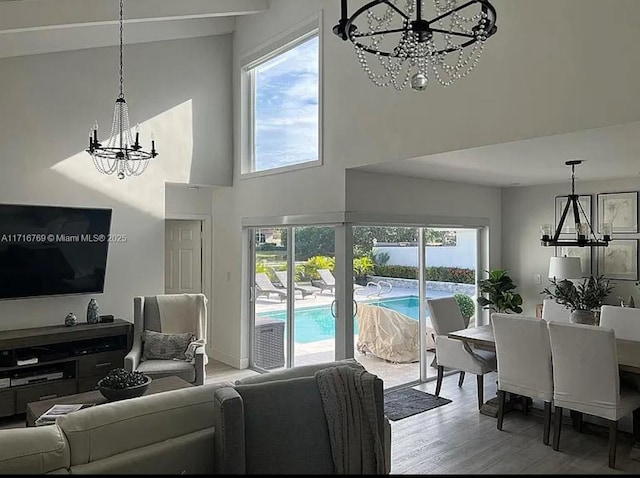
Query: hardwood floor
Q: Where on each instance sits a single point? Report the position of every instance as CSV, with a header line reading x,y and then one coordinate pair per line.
x,y
456,439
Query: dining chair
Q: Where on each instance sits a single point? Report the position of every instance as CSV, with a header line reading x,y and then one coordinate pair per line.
x,y
524,363
456,354
551,310
586,380
625,321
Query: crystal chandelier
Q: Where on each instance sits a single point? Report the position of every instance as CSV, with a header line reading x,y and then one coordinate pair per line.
x,y
584,236
396,44
121,154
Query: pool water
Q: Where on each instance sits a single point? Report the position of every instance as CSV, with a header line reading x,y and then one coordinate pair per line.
x,y
313,324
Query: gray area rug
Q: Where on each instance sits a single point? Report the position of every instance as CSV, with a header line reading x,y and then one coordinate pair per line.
x,y
405,402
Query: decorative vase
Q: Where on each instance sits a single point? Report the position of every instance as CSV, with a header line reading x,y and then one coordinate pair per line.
x,y
586,317
70,320
92,312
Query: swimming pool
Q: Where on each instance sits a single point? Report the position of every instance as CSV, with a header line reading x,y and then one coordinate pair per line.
x,y
313,324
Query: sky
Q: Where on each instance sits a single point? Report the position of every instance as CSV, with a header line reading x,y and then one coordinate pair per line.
x,y
286,108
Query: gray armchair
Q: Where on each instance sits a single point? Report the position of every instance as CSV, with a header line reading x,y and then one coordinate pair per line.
x,y
275,424
191,313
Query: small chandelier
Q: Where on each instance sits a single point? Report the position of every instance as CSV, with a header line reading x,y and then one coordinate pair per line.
x,y
121,154
411,49
585,236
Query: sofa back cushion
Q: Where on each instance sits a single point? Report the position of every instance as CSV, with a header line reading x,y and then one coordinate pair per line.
x,y
296,372
33,451
101,432
285,428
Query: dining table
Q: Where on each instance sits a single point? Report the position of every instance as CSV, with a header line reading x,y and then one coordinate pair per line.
x,y
628,352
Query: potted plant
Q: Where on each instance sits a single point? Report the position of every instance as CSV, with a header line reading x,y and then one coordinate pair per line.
x,y
500,295
584,300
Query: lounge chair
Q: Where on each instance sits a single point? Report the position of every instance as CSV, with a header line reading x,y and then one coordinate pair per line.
x,y
328,281
304,289
264,286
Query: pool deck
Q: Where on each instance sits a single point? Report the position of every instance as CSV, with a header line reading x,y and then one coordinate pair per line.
x,y
273,304
392,374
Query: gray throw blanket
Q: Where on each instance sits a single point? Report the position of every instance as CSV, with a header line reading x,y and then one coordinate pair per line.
x,y
350,410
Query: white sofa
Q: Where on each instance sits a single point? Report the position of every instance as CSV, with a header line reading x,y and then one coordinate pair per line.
x,y
165,433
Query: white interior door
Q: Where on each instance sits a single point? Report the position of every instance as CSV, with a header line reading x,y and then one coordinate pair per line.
x,y
183,257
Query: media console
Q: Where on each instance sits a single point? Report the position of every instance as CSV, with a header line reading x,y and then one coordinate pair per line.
x,y
58,360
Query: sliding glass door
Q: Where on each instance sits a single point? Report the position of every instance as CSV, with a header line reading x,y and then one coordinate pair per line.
x,y
307,306
293,296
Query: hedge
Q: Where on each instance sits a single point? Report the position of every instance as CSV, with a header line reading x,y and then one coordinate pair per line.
x,y
439,274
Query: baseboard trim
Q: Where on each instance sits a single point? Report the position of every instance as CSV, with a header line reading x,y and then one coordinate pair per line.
x,y
236,362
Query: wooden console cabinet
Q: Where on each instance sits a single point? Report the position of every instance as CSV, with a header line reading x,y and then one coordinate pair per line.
x,y
82,355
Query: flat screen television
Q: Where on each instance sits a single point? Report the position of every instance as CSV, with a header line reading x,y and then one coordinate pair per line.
x,y
50,250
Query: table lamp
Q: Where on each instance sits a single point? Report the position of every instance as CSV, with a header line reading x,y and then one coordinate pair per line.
x,y
562,268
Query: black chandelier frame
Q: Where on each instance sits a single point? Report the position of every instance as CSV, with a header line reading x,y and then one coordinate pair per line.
x,y
573,204
347,30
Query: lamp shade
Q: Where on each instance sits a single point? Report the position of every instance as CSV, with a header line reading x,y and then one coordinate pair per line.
x,y
565,268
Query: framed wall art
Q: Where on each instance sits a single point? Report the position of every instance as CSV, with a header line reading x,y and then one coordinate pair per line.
x,y
619,260
620,210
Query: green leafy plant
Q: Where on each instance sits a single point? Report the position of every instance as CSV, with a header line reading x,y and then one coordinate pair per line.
x,y
362,267
437,273
500,295
589,295
465,304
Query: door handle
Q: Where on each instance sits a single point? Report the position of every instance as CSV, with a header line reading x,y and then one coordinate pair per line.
x,y
355,308
334,304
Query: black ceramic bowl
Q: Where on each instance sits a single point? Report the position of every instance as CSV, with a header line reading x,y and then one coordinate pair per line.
x,y
113,394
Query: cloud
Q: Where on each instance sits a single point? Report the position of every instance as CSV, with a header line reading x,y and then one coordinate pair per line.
x,y
286,109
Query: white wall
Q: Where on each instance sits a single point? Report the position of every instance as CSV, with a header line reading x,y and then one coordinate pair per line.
x,y
181,199
524,210
49,103
463,254
536,78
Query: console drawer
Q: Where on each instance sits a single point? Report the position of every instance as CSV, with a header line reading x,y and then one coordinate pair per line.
x,y
100,364
7,404
44,391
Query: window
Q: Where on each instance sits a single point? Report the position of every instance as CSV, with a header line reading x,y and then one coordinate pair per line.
x,y
284,107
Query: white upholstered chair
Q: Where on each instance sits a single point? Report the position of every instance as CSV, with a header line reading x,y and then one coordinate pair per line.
x,y
172,313
456,354
586,379
625,321
524,362
551,310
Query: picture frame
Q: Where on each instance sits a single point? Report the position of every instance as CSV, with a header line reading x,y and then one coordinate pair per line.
x,y
569,226
619,260
584,253
620,210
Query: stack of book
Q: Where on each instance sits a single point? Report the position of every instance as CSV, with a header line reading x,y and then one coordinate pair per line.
x,y
49,417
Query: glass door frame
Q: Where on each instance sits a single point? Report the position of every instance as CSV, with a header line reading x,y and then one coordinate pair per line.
x,y
343,224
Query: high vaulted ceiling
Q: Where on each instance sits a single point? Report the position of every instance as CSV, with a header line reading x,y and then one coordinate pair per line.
x,y
43,26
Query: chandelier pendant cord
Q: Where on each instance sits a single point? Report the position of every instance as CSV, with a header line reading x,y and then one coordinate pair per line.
x,y
121,49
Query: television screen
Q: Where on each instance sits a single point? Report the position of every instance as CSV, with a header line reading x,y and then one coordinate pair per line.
x,y
47,250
